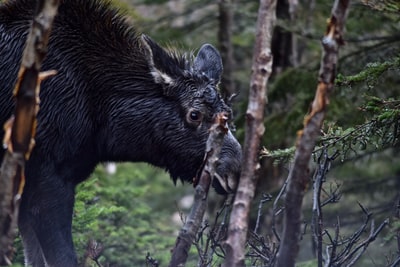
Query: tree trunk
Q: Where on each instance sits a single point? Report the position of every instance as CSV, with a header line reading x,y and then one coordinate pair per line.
x,y
261,70
225,46
299,172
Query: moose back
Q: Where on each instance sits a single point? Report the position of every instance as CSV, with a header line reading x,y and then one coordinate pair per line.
x,y
117,96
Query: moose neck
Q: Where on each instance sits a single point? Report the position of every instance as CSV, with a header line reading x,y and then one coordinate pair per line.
x,y
135,127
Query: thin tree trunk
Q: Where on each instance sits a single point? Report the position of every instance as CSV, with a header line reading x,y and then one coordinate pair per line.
x,y
261,70
225,45
299,173
20,129
293,5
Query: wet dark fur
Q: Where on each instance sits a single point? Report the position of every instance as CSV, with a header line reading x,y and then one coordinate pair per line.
x,y
117,97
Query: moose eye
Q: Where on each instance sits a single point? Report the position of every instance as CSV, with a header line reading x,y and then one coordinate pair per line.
x,y
194,117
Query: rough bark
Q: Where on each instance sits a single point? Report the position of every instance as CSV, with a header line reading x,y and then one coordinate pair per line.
x,y
194,220
20,129
299,172
261,70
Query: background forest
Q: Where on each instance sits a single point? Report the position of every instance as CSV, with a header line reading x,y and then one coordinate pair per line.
x,y
135,213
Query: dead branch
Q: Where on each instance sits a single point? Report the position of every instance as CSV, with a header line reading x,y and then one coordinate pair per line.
x,y
215,234
265,198
21,128
299,172
261,249
191,227
317,220
396,262
277,211
324,164
261,70
352,249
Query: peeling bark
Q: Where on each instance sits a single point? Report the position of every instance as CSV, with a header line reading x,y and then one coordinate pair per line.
x,y
261,70
299,173
20,129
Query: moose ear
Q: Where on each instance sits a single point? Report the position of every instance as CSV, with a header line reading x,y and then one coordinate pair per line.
x,y
209,62
160,62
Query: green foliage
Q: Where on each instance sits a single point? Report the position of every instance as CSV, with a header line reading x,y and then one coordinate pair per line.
x,y
369,74
279,155
116,211
379,117
385,5
125,9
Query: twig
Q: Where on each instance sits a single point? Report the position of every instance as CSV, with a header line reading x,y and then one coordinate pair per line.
x,y
265,198
218,233
264,253
275,210
360,249
396,262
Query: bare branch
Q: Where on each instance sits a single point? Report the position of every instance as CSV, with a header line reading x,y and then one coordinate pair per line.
x,y
261,70
265,198
317,218
299,172
276,211
396,262
360,249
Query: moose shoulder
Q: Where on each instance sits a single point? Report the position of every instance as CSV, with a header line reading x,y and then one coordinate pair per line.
x,y
118,96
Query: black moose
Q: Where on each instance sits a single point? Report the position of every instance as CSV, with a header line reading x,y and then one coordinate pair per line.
x,y
117,96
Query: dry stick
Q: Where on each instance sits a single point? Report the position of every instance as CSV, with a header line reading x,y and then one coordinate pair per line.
x,y
276,211
189,230
20,129
299,172
331,256
317,218
261,70
265,198
361,248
